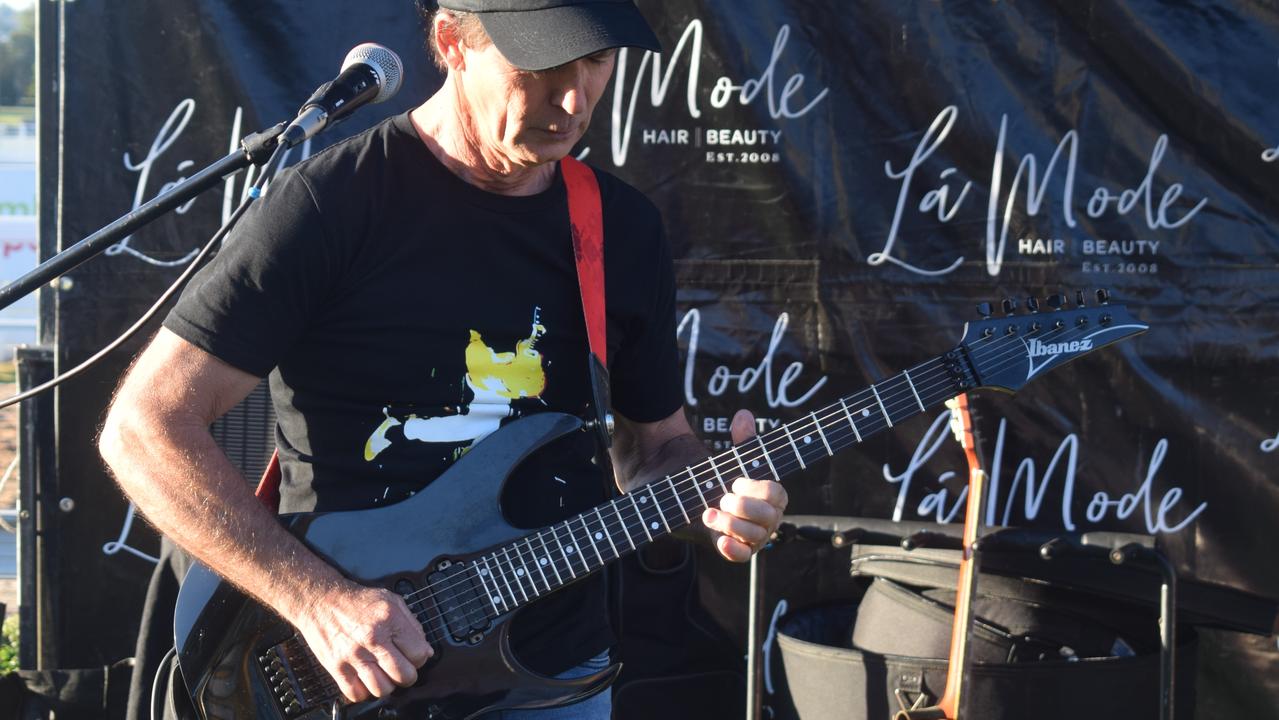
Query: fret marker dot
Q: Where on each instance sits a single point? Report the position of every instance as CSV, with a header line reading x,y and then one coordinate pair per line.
x,y
484,571
643,499
519,572
570,549
654,526
709,485
866,412
542,561
599,536
755,464
497,600
808,439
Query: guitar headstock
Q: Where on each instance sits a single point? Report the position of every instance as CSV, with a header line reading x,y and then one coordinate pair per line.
x,y
1009,351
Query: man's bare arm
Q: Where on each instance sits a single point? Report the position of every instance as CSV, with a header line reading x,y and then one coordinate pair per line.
x,y
156,441
746,517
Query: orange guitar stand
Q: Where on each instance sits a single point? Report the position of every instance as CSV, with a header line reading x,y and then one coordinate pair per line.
x,y
947,707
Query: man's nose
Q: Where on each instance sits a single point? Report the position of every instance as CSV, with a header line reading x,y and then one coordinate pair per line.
x,y
572,88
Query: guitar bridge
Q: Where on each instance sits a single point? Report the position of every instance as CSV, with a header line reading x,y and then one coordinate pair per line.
x,y
298,683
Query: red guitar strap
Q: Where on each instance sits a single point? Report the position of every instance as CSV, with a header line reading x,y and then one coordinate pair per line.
x,y
586,221
586,216
269,486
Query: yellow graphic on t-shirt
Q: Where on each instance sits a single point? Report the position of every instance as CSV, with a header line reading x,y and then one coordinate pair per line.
x,y
511,374
494,378
377,442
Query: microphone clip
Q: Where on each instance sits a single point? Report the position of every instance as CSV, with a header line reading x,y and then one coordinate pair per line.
x,y
259,146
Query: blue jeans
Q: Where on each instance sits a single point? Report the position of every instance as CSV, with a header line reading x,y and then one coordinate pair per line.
x,y
598,707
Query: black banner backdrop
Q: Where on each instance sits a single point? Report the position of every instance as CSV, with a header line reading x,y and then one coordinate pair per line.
x,y
842,183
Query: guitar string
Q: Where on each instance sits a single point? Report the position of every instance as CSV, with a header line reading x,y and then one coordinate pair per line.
x,y
904,396
676,496
801,426
896,398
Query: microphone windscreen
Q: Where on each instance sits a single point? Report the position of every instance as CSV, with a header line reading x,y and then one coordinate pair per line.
x,y
385,63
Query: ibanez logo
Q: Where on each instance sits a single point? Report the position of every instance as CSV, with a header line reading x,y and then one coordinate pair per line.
x,y
1043,349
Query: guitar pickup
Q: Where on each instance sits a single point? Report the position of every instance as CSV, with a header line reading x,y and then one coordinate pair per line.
x,y
460,601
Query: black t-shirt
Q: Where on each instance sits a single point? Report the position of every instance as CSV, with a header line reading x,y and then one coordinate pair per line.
x,y
402,315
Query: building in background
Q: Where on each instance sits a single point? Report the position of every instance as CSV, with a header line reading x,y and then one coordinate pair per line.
x,y
18,149
18,248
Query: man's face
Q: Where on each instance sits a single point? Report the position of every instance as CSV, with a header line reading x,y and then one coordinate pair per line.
x,y
525,118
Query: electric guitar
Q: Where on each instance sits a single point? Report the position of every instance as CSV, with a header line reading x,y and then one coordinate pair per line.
x,y
464,570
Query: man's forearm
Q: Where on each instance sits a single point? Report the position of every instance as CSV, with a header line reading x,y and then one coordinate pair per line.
x,y
184,484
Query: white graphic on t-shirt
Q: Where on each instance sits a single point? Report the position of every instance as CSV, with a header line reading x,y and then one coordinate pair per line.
x,y
495,379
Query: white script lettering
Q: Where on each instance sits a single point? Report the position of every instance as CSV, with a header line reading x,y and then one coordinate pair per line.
x,y
1032,486
722,377
1103,199
779,100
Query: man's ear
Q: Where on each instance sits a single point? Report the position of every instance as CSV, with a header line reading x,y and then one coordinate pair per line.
x,y
448,41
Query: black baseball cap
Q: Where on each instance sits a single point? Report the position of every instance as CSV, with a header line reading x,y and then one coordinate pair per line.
x,y
541,34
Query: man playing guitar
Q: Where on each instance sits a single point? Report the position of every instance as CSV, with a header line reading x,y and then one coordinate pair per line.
x,y
407,292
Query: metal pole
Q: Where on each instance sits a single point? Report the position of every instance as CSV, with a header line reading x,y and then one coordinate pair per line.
x,y
1167,635
34,366
755,618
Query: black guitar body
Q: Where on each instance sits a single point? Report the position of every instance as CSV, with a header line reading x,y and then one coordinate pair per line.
x,y
240,660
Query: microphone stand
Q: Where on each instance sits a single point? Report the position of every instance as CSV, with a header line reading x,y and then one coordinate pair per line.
x,y
254,149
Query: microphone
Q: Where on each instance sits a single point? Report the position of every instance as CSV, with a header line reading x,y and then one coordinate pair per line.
x,y
370,73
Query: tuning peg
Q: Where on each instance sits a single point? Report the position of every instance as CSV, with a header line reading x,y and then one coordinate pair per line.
x,y
1009,305
1103,296
1079,298
1056,301
984,309
1032,304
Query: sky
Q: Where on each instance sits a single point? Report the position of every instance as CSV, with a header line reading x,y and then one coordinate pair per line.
x,y
17,4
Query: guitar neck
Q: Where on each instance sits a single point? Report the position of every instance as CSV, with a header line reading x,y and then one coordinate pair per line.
x,y
520,572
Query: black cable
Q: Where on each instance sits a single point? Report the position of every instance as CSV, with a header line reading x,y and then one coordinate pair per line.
x,y
155,682
254,193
